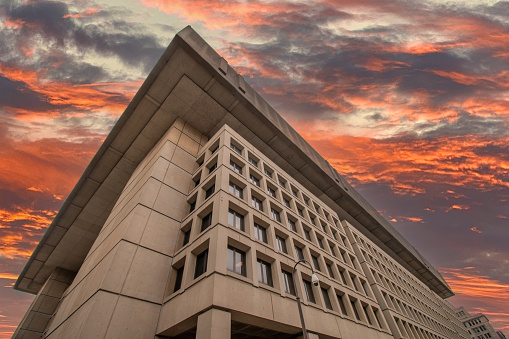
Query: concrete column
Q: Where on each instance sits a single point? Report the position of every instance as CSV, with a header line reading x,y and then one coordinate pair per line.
x,y
214,324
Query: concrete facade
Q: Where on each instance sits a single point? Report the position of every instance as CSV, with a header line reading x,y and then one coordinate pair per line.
x,y
190,218
478,326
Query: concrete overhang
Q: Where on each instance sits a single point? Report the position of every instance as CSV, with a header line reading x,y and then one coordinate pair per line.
x,y
191,81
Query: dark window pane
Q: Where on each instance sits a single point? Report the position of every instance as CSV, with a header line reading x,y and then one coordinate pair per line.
x,y
281,244
210,191
329,269
309,291
320,242
256,203
365,308
307,234
206,221
357,316
293,227
187,235
269,174
215,149
178,279
201,263
197,182
288,282
342,274
236,261
260,233
275,215
212,168
264,272
236,149
235,190
342,305
234,166
326,299
236,219
316,264
299,253
254,180
192,206
253,162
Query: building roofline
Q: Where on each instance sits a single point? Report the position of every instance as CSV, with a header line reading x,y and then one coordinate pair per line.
x,y
122,150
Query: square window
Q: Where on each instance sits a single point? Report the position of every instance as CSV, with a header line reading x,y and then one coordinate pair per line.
x,y
201,263
268,173
329,269
275,215
206,221
235,167
299,253
236,261
293,227
197,182
252,161
326,298
307,234
192,206
215,149
288,282
236,190
254,180
236,149
320,243
294,193
271,192
212,168
286,202
281,244
178,279
236,219
309,291
316,264
301,212
257,203
187,236
282,183
210,191
264,272
260,233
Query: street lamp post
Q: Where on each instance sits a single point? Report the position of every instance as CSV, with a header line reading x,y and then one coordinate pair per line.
x,y
314,280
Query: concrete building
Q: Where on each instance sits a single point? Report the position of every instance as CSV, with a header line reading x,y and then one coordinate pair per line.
x,y
478,326
501,335
189,220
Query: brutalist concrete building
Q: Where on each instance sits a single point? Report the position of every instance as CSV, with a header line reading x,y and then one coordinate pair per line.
x,y
478,326
190,218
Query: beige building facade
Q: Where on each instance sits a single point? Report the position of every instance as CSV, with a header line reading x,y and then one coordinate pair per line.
x,y
478,326
190,219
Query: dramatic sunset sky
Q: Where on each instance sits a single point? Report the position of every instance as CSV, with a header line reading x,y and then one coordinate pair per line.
x,y
408,99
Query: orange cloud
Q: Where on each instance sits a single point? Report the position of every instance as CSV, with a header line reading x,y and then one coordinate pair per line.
x,y
476,230
457,207
85,13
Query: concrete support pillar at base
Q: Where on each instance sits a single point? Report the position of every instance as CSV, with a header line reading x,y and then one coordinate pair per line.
x,y
310,335
214,324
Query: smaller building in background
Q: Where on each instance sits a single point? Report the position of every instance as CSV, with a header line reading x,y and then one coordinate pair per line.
x,y
501,335
478,325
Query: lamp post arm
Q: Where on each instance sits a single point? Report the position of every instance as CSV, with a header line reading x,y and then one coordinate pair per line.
x,y
304,331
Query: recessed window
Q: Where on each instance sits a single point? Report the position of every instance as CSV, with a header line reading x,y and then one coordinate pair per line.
x,y
294,192
288,282
192,206
329,269
306,200
264,272
215,149
236,149
313,221
324,228
293,227
320,243
286,202
271,192
236,190
235,167
309,291
197,182
281,244
299,253
357,316
210,191
282,183
275,215
187,236
201,263
213,167
301,212
343,278
333,251
236,261
268,173
200,162
260,233
342,305
252,161
316,264
256,203
178,279
307,234
206,221
326,298
254,180
236,219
